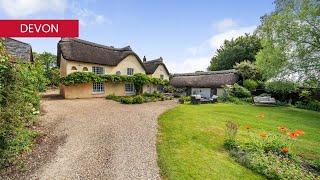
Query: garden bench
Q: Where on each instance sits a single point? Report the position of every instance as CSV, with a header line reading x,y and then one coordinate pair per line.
x,y
264,100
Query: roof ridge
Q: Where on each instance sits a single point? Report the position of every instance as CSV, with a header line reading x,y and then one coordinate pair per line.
x,y
126,48
206,73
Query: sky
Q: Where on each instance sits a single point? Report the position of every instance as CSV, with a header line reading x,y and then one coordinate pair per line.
x,y
185,33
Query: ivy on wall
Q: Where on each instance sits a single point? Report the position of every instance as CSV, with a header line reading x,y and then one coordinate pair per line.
x,y
88,77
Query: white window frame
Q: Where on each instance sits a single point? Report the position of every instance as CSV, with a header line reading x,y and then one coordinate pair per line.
x,y
129,88
97,88
99,70
130,71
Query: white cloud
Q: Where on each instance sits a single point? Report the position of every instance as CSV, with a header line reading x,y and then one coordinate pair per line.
x,y
200,56
86,16
191,64
224,24
218,39
23,8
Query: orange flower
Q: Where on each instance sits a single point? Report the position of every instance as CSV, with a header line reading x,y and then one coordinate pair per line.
x,y
282,129
260,115
285,150
263,135
299,132
248,127
292,134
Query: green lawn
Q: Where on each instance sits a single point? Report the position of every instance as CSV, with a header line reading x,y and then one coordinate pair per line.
x,y
190,139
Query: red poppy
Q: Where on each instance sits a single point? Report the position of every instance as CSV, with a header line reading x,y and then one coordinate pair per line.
x,y
293,134
285,150
264,135
299,132
248,127
260,115
282,129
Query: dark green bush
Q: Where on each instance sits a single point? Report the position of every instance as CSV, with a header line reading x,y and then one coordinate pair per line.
x,y
281,90
313,105
113,97
126,100
240,92
19,105
138,99
250,84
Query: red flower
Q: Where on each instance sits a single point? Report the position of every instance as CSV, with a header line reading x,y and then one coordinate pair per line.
x,y
293,134
285,150
282,129
263,135
299,132
260,115
247,127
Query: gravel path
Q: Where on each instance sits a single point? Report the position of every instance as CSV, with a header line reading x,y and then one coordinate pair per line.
x,y
104,139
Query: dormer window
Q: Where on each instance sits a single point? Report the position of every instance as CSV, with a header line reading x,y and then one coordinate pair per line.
x,y
118,73
84,69
73,68
129,71
98,70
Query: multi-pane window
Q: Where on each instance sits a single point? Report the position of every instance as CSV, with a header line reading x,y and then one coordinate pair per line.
x,y
130,71
118,73
97,87
160,88
129,88
98,70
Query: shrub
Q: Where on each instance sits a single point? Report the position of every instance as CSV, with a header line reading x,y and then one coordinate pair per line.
x,y
240,92
138,99
19,105
281,90
313,105
250,84
126,100
113,97
247,70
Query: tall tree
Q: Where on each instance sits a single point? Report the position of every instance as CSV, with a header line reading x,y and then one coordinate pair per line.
x,y
49,64
235,51
291,36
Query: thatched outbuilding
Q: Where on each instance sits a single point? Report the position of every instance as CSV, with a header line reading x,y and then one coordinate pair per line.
x,y
152,65
18,50
204,83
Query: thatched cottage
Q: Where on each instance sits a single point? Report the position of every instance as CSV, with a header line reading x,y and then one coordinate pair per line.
x,y
204,83
79,55
18,49
157,69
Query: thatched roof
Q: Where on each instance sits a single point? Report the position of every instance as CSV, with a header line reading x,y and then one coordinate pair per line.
x,y
210,79
18,49
84,51
152,65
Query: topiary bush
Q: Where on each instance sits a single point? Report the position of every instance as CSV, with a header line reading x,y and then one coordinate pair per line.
x,y
250,84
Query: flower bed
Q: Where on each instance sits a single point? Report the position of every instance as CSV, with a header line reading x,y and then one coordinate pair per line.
x,y
270,154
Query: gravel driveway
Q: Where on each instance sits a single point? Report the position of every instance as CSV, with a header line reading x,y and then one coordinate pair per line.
x,y
103,139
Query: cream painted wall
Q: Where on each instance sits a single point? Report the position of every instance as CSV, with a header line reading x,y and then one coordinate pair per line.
x,y
128,62
161,70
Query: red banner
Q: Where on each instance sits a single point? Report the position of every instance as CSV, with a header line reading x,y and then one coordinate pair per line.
x,y
39,28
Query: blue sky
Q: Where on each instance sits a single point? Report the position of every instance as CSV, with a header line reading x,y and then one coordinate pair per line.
x,y
185,33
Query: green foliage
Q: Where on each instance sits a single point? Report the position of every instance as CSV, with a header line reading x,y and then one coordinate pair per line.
x,y
281,89
240,92
235,94
231,130
292,32
48,63
271,60
19,105
126,100
313,105
138,99
247,70
113,97
87,77
235,51
250,84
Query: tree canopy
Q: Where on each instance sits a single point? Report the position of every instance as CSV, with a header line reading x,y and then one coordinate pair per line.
x,y
235,51
291,36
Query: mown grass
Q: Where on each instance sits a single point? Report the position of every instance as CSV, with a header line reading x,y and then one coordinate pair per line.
x,y
190,139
